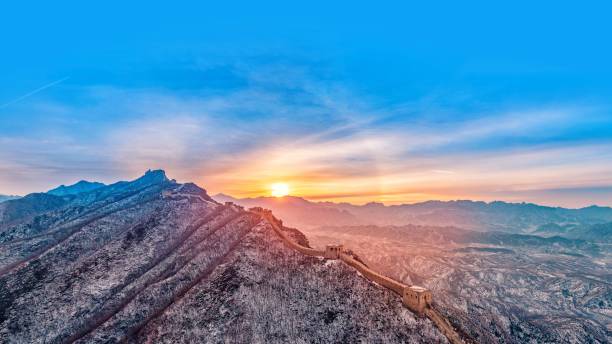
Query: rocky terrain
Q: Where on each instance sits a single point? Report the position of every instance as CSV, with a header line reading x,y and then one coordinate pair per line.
x,y
501,272
152,260
497,287
599,232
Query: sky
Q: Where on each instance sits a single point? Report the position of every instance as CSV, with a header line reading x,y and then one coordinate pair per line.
x,y
343,101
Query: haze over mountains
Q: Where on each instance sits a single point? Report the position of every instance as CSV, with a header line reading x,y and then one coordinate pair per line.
x,y
469,215
502,272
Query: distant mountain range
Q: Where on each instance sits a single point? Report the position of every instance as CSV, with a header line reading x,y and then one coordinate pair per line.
x,y
448,236
63,190
471,215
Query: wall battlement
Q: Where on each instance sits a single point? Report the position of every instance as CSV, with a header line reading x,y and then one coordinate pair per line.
x,y
372,275
415,298
277,227
333,251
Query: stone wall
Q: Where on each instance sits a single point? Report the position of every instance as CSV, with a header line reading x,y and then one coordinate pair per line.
x,y
276,226
443,325
372,275
415,298
333,251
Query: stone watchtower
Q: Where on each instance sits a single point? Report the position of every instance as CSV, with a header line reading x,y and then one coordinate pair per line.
x,y
416,298
333,251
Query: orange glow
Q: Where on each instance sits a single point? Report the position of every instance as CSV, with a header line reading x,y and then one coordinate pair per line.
x,y
326,174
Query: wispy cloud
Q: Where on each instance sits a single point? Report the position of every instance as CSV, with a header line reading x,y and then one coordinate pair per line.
x,y
33,92
326,141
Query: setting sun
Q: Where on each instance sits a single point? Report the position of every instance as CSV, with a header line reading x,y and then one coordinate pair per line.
x,y
280,189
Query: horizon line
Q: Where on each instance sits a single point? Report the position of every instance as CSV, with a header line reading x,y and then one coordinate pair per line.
x,y
387,204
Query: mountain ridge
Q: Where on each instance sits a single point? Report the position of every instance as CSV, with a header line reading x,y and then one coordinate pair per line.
x,y
76,188
224,196
4,198
472,215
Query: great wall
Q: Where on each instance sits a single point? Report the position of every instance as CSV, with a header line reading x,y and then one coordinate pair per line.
x,y
415,298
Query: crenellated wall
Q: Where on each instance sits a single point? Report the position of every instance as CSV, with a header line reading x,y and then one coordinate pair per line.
x,y
416,298
305,250
333,251
445,327
276,226
372,275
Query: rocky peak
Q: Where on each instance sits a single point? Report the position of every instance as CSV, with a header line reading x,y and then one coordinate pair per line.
x,y
155,176
151,177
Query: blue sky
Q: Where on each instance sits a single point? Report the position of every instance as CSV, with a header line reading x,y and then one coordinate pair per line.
x,y
385,101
